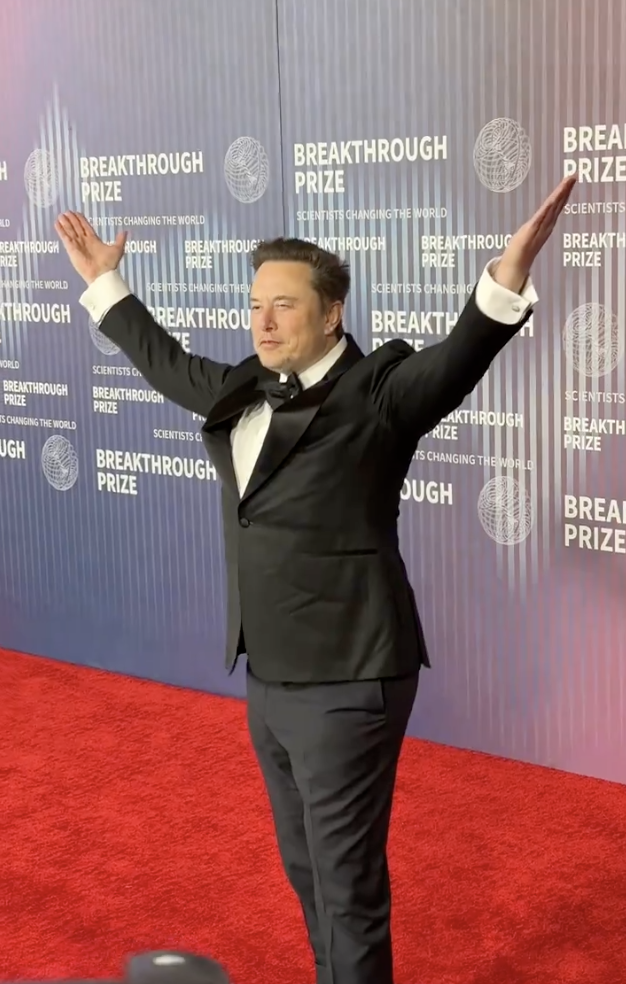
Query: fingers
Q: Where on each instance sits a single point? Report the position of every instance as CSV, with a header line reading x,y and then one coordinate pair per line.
x,y
74,227
560,198
65,231
563,190
545,218
554,203
69,228
86,228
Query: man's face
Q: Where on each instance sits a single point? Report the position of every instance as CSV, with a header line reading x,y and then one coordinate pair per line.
x,y
291,329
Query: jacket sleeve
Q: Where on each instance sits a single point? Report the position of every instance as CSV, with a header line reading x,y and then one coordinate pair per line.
x,y
191,381
418,390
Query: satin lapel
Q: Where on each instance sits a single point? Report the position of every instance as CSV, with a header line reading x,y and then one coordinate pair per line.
x,y
239,392
218,448
287,426
290,421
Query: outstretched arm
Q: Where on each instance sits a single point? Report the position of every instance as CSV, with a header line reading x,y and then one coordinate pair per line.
x,y
421,388
191,381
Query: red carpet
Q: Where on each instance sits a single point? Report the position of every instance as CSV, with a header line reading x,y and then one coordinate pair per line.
x,y
133,817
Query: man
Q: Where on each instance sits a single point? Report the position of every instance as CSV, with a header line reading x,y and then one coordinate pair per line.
x,y
312,442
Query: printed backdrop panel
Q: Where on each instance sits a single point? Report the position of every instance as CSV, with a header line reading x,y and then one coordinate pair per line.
x,y
417,137
168,126
413,137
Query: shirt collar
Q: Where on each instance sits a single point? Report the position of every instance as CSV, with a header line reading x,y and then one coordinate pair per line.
x,y
315,373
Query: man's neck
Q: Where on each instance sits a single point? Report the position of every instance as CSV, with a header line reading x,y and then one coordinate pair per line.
x,y
306,367
315,371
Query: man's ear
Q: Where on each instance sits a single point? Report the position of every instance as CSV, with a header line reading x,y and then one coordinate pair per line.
x,y
334,315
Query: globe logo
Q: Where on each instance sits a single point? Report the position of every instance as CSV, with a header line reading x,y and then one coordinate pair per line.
x,y
592,340
102,343
41,179
505,511
246,170
59,463
502,155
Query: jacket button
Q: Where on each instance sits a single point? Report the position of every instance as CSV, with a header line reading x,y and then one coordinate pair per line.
x,y
244,522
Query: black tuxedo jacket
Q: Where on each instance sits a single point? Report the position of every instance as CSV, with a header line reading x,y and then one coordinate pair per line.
x,y
317,588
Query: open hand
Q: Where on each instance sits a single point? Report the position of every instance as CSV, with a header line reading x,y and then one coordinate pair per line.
x,y
89,256
514,267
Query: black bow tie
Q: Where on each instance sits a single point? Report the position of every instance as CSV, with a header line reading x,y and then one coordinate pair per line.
x,y
277,393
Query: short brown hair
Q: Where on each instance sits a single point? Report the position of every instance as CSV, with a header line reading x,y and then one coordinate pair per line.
x,y
329,273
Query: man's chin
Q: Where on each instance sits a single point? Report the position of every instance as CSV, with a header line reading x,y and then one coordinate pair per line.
x,y
271,356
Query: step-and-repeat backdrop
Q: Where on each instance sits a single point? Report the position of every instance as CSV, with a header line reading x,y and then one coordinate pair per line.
x,y
413,137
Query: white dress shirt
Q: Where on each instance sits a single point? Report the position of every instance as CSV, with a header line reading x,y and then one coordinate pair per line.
x,y
247,437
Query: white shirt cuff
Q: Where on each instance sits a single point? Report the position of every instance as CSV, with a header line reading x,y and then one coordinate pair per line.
x,y
501,304
104,293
